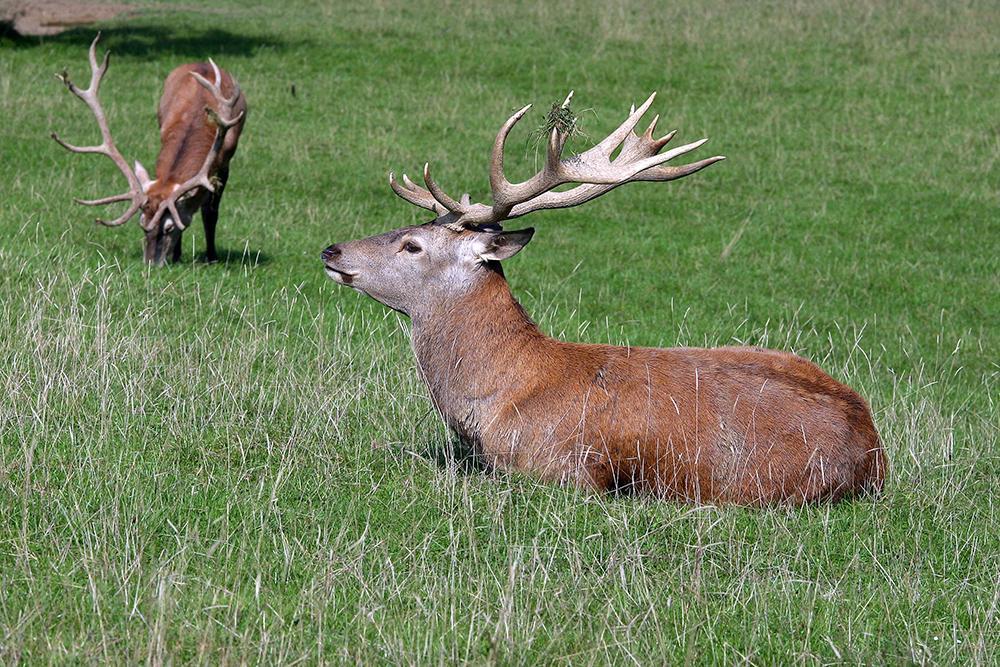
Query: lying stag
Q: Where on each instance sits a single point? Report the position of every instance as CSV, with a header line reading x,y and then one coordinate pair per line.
x,y
730,425
200,125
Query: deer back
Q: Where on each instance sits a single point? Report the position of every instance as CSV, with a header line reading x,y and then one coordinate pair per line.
x,y
186,132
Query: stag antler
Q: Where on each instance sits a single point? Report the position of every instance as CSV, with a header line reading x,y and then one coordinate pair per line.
x,y
107,146
223,120
594,169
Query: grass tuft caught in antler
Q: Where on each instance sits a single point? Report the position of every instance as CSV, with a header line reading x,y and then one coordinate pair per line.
x,y
560,117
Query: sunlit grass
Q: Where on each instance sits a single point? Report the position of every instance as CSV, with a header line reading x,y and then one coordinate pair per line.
x,y
237,462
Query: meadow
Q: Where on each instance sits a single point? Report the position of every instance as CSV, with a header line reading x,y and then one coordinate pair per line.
x,y
237,463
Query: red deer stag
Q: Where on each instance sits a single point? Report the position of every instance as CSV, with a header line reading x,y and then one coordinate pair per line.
x,y
728,425
200,125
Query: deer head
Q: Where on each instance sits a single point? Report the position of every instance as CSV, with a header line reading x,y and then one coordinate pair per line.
x,y
165,209
417,269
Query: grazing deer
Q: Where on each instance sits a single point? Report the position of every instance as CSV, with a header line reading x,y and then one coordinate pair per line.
x,y
729,425
200,125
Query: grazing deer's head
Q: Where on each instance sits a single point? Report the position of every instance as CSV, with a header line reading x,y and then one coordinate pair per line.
x,y
165,208
416,268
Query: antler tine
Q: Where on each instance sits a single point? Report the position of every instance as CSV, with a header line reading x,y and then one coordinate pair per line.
x,y
440,195
107,146
673,173
614,140
662,141
415,194
77,149
215,88
97,71
103,200
652,127
499,182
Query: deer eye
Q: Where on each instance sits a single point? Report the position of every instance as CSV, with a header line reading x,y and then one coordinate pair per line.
x,y
411,247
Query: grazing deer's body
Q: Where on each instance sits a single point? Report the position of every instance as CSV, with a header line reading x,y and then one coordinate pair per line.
x,y
186,138
201,115
735,425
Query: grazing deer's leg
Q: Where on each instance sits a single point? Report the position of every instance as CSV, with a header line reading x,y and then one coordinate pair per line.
x,y
210,214
175,251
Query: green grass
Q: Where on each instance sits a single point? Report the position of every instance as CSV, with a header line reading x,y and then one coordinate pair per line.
x,y
237,462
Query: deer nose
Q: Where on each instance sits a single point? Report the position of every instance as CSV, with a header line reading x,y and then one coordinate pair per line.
x,y
330,253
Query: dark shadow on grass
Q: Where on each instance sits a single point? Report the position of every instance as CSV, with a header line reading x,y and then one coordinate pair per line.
x,y
453,453
142,40
246,257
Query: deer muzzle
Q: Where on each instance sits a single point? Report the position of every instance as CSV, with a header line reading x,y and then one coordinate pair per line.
x,y
331,256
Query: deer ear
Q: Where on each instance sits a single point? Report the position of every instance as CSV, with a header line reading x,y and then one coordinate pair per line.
x,y
143,176
503,245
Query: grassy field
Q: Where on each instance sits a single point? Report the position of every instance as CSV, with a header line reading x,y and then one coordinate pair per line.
x,y
237,462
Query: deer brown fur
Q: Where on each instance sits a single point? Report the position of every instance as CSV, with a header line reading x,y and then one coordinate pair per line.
x,y
186,137
727,425
732,425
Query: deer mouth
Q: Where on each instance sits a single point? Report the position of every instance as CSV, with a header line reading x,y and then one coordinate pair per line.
x,y
339,276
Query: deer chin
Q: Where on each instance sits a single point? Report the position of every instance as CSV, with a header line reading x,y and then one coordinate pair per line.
x,y
339,276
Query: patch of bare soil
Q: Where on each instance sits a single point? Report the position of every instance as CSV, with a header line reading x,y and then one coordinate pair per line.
x,y
50,17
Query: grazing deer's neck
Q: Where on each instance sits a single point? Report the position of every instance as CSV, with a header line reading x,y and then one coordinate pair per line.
x,y
472,351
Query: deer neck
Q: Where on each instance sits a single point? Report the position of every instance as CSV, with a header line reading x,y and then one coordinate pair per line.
x,y
475,352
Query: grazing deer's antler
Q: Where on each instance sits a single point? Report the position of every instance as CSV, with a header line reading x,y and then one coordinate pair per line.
x,y
223,120
107,146
594,170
